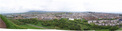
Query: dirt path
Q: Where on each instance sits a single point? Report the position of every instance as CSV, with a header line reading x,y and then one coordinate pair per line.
x,y
2,24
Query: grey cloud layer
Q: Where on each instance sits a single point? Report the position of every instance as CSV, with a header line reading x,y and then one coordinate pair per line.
x,y
15,6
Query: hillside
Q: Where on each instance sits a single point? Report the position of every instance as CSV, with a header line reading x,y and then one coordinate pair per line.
x,y
10,24
2,24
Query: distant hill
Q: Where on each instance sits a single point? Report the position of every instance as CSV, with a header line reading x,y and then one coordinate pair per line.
x,y
35,12
29,12
44,11
40,12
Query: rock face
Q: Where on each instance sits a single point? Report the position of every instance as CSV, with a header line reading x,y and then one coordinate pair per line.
x,y
2,24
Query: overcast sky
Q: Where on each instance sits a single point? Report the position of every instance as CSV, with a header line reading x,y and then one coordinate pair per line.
x,y
17,6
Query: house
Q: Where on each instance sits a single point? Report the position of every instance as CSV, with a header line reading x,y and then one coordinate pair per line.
x,y
99,24
9,16
89,22
71,18
94,21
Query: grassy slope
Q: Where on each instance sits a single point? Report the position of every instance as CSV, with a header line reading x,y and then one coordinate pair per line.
x,y
9,24
26,26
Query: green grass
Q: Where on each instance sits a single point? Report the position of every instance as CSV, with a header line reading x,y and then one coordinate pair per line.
x,y
103,30
29,27
25,26
120,29
10,24
49,27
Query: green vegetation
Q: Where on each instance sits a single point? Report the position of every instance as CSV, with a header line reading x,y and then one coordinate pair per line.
x,y
120,14
62,23
24,23
107,19
29,27
9,24
65,24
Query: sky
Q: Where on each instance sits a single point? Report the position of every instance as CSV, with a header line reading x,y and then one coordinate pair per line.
x,y
17,6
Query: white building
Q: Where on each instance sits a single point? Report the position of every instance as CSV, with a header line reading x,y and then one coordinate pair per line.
x,y
71,18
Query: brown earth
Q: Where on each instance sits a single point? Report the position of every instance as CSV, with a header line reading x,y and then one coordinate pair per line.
x,y
2,24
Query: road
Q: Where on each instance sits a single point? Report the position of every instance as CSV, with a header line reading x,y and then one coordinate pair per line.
x,y
2,24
